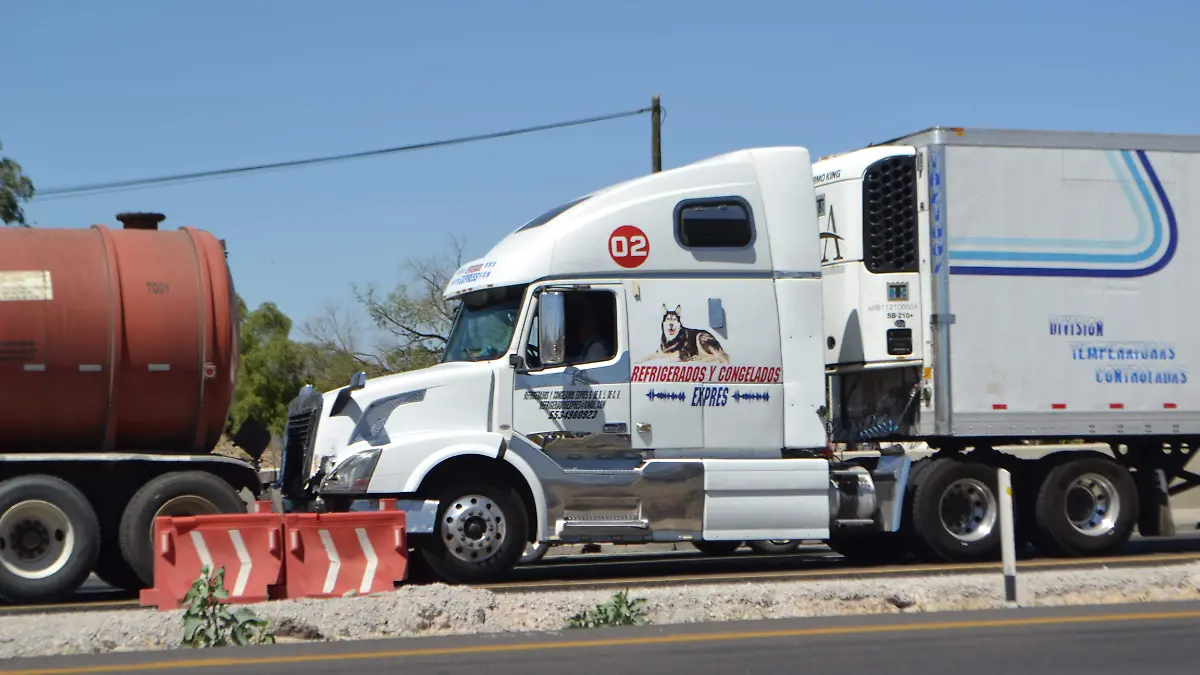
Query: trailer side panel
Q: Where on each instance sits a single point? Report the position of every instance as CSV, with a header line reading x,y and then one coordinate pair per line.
x,y
1070,286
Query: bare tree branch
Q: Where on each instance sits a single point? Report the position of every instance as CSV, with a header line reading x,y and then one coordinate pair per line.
x,y
413,317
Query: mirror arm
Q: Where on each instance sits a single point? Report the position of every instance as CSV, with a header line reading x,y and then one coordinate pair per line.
x,y
518,364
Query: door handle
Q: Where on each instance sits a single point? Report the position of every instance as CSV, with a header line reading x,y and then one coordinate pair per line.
x,y
643,426
615,428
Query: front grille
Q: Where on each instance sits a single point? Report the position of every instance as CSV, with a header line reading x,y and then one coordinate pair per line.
x,y
890,215
298,449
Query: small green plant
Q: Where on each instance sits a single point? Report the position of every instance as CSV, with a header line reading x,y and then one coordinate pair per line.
x,y
618,611
208,622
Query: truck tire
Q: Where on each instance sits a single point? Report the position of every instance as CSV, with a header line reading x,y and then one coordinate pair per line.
x,y
534,552
716,548
774,546
481,535
1086,507
876,548
182,493
955,511
49,539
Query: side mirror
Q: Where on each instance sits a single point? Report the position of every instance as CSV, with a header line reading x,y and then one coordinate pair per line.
x,y
552,329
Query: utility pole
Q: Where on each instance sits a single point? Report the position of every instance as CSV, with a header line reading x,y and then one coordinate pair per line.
x,y
655,135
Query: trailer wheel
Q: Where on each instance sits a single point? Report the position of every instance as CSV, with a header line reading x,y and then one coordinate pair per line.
x,y
481,535
955,511
49,539
774,546
1085,507
716,548
877,548
183,493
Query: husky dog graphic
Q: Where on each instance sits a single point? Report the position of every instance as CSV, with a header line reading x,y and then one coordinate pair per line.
x,y
686,344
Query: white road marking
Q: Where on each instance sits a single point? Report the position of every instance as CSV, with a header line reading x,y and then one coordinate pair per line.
x,y
243,576
335,562
372,560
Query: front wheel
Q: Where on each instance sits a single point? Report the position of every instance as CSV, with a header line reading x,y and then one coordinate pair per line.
x,y
534,551
481,533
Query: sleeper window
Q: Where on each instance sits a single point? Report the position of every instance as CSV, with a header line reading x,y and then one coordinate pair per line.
x,y
723,222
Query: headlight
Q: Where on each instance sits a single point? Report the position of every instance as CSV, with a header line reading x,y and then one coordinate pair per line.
x,y
370,425
353,475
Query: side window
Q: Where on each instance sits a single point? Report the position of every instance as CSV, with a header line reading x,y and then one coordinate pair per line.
x,y
721,222
591,323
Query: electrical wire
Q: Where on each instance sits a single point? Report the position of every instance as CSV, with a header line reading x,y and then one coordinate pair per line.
x,y
95,188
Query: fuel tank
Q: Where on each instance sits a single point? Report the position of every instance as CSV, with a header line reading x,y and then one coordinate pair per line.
x,y
115,339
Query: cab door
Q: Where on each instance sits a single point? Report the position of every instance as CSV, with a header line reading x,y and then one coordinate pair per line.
x,y
578,411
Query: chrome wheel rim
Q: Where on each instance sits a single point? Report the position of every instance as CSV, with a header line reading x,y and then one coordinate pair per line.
x,y
473,528
1092,505
968,510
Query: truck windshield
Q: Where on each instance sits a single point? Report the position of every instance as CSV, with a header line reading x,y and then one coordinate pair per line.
x,y
484,326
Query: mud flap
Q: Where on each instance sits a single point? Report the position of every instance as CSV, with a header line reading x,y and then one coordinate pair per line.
x,y
1154,517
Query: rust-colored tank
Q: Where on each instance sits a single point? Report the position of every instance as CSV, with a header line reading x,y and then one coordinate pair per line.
x,y
115,339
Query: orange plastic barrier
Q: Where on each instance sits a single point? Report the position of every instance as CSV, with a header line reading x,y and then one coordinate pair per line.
x,y
336,554
248,545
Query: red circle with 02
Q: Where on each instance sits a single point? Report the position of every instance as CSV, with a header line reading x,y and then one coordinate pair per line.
x,y
628,246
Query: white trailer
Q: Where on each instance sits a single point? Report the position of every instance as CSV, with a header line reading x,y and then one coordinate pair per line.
x,y
985,288
669,359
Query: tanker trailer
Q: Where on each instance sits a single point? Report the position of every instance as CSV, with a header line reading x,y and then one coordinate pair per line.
x,y
118,360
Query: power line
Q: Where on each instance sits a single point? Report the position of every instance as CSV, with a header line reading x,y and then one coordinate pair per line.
x,y
176,178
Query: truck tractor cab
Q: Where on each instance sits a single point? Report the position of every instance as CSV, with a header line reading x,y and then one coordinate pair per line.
x,y
641,364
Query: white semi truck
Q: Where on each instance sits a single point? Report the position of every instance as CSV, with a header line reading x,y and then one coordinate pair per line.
x,y
671,359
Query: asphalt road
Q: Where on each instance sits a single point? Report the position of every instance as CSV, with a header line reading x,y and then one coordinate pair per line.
x,y
1111,640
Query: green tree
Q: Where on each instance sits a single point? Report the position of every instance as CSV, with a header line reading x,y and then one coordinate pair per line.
x,y
269,374
15,187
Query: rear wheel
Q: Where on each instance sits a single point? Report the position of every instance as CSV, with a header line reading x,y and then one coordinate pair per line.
x,y
185,493
774,546
956,511
1086,507
716,548
481,534
49,539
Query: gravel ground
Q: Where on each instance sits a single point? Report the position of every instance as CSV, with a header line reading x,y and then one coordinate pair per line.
x,y
442,610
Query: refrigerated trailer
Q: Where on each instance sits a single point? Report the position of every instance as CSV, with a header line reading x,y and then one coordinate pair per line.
x,y
671,358
989,287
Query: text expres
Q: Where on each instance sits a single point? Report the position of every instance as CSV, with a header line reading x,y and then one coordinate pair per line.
x,y
732,374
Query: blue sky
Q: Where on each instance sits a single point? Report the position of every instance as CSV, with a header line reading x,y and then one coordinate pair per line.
x,y
97,92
